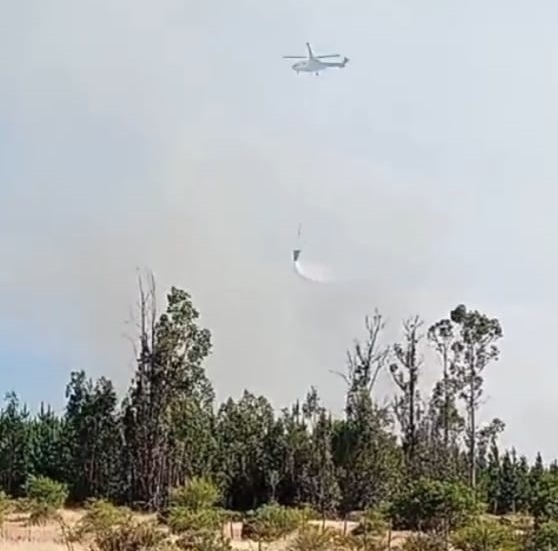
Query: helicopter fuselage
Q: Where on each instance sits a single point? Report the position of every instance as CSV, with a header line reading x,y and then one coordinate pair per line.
x,y
313,65
310,66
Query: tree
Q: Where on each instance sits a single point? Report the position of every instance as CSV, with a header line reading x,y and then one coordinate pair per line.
x,y
405,373
364,363
493,485
167,433
324,491
432,505
295,448
546,537
49,455
441,336
523,486
15,452
488,462
536,474
475,349
543,504
509,489
365,449
447,422
441,430
242,428
169,385
92,438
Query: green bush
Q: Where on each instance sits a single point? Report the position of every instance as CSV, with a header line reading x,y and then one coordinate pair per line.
x,y
100,517
313,538
307,512
203,541
432,505
181,520
271,522
44,499
424,542
130,536
350,542
546,537
543,501
44,490
373,522
193,517
110,528
486,535
196,494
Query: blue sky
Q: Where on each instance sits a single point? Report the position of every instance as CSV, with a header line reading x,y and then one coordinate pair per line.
x,y
172,135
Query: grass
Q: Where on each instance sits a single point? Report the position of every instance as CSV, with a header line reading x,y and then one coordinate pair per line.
x,y
18,536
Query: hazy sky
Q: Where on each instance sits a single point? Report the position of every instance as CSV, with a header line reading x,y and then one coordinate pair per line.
x,y
172,135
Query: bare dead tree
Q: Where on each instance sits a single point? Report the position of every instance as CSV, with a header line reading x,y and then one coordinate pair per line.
x,y
143,315
366,359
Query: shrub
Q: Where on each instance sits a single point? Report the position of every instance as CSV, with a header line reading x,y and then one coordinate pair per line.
x,y
111,528
271,522
129,536
193,517
181,520
313,538
486,534
44,490
546,537
350,542
432,505
196,494
203,541
372,522
424,542
543,501
100,516
44,499
307,512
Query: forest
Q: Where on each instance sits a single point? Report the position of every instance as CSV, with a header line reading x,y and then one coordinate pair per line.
x,y
423,462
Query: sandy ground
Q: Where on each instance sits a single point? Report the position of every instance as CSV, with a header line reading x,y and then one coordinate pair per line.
x,y
17,536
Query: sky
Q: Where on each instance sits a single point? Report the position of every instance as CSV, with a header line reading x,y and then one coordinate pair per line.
x,y
172,136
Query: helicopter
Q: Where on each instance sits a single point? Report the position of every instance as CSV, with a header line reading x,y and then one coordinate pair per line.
x,y
312,63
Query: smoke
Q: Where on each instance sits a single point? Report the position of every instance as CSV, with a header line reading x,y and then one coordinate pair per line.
x,y
137,140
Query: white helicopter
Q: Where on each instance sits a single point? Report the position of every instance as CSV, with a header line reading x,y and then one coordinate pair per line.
x,y
312,63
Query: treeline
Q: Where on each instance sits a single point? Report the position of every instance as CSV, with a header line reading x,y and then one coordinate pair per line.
x,y
168,428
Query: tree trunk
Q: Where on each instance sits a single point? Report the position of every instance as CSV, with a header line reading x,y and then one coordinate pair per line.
x,y
473,428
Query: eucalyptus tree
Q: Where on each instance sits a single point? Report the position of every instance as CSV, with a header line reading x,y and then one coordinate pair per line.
x,y
475,348
405,370
366,450
170,385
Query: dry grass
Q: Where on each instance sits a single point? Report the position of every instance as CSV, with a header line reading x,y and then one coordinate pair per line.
x,y
17,536
33,546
